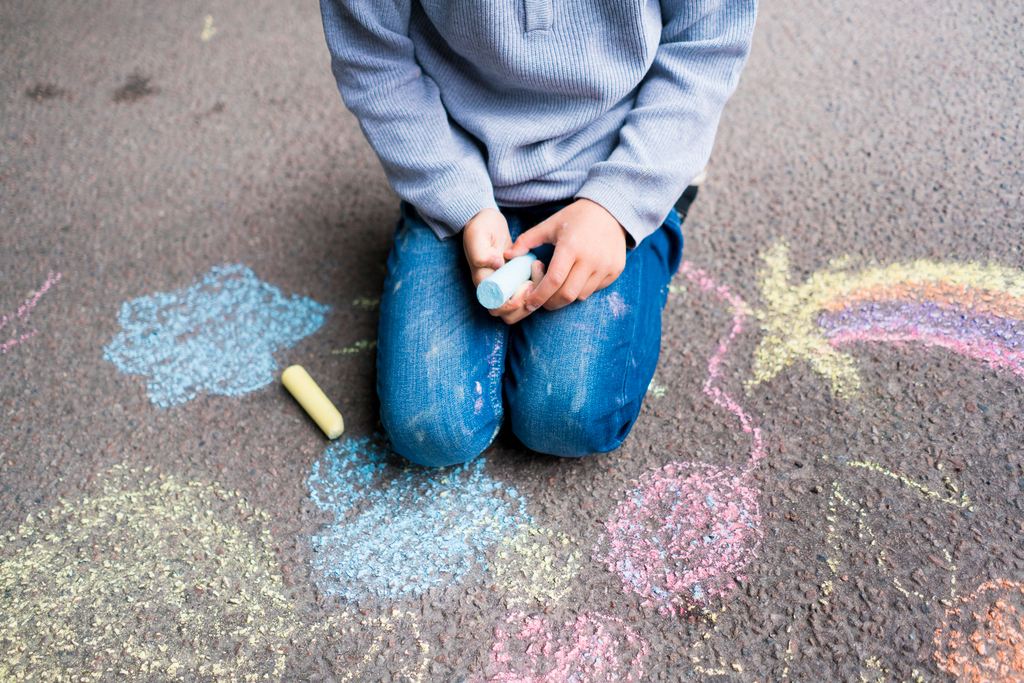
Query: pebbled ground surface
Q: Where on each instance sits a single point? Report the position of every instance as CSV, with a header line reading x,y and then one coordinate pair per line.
x,y
824,484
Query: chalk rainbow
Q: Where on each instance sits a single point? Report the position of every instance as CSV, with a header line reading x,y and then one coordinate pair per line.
x,y
974,310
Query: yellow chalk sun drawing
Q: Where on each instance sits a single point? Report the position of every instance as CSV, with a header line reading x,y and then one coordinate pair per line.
x,y
157,580
789,318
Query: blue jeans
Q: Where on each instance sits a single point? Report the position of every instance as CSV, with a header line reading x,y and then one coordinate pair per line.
x,y
571,381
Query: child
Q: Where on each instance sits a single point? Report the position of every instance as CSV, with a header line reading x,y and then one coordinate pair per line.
x,y
568,127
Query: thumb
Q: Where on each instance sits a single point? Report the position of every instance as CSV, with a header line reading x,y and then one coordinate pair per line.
x,y
543,233
482,252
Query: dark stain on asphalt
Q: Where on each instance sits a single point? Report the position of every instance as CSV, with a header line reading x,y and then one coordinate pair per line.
x,y
136,87
212,111
44,91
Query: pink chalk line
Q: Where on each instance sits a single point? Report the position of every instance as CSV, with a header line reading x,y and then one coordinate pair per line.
x,y
688,530
719,397
993,354
23,313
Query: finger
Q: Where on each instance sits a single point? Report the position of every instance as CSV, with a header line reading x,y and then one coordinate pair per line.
x,y
557,271
608,280
537,272
516,302
520,312
483,247
485,256
542,233
593,284
569,291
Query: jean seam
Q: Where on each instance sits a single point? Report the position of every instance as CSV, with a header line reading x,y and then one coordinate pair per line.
x,y
496,372
630,369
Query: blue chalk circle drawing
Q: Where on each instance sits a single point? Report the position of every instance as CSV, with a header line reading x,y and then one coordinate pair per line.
x,y
217,336
401,529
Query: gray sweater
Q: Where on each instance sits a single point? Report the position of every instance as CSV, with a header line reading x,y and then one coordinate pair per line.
x,y
472,104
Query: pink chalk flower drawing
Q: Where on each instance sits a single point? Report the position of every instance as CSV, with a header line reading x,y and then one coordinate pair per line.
x,y
689,529
593,649
22,314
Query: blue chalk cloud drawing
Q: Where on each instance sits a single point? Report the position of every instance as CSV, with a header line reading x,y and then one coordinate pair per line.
x,y
401,529
217,336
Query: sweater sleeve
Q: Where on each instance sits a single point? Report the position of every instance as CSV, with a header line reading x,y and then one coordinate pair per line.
x,y
667,138
430,161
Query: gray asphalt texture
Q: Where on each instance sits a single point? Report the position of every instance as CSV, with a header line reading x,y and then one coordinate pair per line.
x,y
142,144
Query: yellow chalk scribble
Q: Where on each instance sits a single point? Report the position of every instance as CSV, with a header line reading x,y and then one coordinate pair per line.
x,y
789,320
656,389
388,630
964,502
208,29
363,345
367,302
834,538
537,565
160,580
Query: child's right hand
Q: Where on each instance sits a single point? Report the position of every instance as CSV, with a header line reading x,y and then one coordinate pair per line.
x,y
485,239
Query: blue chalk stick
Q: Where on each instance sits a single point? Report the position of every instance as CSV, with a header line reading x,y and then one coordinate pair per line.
x,y
503,283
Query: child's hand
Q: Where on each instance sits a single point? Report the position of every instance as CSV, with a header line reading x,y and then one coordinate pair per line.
x,y
484,239
590,252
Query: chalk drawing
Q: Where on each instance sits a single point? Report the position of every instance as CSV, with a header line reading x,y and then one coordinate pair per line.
x,y
362,345
969,309
537,565
975,311
217,336
838,529
981,639
394,634
592,649
685,534
160,579
399,529
941,577
209,31
953,495
740,312
23,313
366,302
657,390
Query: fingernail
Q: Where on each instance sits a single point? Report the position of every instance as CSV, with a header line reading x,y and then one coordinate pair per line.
x,y
531,307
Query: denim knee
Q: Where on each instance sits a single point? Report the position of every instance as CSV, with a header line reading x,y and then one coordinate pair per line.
x,y
563,428
421,433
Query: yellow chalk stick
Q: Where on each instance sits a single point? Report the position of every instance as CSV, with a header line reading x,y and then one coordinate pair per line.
x,y
312,399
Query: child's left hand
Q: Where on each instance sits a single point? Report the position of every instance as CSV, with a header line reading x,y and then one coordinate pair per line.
x,y
590,253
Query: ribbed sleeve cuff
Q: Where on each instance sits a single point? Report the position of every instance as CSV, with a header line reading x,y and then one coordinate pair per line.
x,y
448,220
637,222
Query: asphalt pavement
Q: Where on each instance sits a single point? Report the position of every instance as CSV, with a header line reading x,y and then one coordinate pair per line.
x,y
824,483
